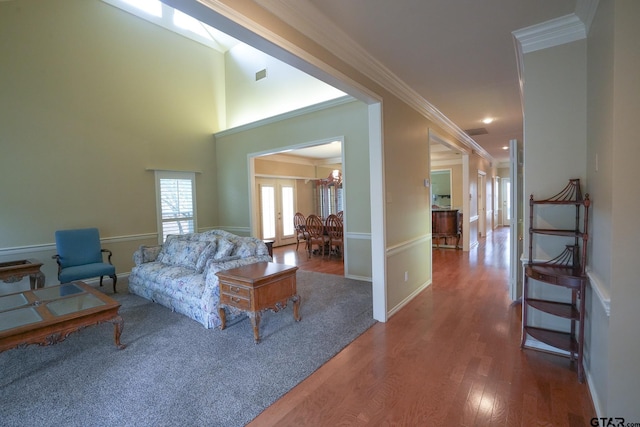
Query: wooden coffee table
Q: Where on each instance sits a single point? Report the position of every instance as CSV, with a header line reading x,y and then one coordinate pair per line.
x,y
14,271
257,287
48,315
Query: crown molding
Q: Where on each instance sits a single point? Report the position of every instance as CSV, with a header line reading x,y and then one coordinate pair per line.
x,y
586,11
308,20
551,33
249,31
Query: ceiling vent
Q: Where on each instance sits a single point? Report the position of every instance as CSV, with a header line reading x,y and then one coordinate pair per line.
x,y
476,131
262,74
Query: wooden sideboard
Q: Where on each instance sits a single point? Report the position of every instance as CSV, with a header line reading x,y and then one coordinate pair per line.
x,y
446,223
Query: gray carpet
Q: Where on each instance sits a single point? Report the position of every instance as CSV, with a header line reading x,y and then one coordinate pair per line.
x,y
176,373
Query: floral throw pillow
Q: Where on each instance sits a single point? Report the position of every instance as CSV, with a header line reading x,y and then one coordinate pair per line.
x,y
246,248
225,247
208,252
183,253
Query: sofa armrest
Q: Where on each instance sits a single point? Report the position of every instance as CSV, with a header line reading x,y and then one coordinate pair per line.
x,y
146,254
213,266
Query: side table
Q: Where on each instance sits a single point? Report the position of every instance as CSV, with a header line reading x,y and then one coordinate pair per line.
x,y
257,287
14,271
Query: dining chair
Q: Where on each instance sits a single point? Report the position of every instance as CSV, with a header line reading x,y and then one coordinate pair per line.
x,y
80,256
300,225
315,228
335,231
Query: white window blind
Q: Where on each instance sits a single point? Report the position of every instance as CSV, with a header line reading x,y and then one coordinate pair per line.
x,y
176,203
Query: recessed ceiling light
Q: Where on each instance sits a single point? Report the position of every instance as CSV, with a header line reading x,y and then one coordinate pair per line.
x,y
505,148
487,120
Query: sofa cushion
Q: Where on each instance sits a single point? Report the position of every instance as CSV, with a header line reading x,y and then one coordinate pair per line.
x,y
183,253
246,248
208,252
225,247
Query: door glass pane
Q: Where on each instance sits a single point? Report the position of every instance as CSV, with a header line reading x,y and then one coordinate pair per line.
x,y
267,194
287,211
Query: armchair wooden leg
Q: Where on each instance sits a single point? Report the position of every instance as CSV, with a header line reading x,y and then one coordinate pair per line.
x,y
100,281
115,280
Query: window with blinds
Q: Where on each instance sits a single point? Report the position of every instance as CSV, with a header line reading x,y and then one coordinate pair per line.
x,y
176,203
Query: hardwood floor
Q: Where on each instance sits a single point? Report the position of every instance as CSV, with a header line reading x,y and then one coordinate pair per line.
x,y
323,264
450,357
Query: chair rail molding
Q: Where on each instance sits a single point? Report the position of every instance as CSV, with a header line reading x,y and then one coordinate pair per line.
x,y
408,244
357,236
45,247
600,291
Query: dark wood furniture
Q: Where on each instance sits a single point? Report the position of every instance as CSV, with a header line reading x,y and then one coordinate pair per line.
x,y
317,234
15,271
257,287
300,226
446,223
334,230
48,315
566,270
269,244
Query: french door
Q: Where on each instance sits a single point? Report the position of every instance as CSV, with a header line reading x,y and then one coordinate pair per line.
x,y
277,201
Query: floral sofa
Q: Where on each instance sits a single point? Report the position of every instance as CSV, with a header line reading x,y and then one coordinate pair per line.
x,y
181,273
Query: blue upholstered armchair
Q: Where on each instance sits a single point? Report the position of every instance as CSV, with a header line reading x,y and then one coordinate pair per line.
x,y
80,256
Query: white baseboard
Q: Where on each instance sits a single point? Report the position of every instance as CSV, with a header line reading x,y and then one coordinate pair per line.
x,y
408,299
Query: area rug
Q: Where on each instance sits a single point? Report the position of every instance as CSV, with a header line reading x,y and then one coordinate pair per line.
x,y
176,373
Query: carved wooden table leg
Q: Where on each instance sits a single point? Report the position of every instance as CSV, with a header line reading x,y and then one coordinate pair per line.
x,y
255,322
118,326
296,307
223,317
36,280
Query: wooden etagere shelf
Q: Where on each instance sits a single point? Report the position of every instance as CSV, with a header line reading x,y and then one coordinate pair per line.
x,y
566,270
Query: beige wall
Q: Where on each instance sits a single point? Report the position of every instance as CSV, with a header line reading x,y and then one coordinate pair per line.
x,y
91,98
580,107
555,131
249,100
613,84
600,142
554,152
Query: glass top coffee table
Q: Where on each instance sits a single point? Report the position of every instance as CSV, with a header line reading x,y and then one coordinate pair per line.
x,y
48,315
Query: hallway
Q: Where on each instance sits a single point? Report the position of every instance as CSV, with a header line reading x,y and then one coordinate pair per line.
x,y
450,357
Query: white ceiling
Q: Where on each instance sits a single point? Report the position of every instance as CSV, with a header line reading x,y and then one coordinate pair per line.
x,y
459,55
331,152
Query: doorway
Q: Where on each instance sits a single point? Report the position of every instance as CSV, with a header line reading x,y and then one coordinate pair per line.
x,y
277,204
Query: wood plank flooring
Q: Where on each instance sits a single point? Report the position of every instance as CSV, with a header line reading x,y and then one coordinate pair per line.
x,y
451,357
323,264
